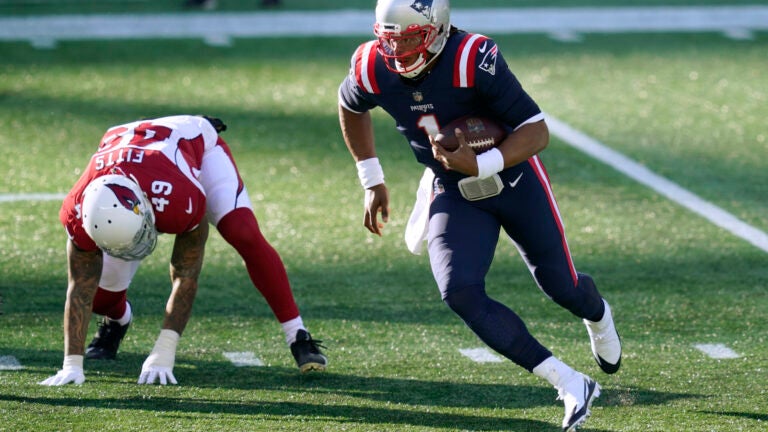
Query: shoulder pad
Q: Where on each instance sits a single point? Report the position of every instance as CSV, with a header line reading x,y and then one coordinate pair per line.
x,y
363,66
474,51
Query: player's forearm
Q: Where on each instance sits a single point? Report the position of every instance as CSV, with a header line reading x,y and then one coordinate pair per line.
x,y
524,143
357,130
186,263
179,307
84,273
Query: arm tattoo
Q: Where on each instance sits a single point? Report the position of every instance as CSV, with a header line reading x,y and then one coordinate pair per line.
x,y
186,263
84,269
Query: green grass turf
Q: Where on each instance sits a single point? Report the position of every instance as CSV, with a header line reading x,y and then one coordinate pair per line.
x,y
673,278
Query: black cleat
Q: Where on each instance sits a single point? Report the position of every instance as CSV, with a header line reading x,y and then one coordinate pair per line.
x,y
307,353
107,340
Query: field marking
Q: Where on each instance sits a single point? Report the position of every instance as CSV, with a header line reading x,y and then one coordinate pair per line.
x,y
717,351
243,359
218,28
10,363
662,185
32,197
481,355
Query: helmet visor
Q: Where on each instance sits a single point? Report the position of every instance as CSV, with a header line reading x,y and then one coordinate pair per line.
x,y
143,244
404,51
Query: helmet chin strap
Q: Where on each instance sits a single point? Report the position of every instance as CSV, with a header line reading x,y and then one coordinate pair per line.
x,y
416,72
413,73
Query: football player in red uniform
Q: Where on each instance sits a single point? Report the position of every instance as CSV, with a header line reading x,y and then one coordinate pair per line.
x,y
171,175
426,73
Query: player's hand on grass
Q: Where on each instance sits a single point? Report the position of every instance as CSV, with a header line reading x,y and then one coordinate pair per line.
x,y
71,372
150,374
159,365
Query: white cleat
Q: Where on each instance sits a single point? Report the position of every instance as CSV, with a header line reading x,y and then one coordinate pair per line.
x,y
578,395
606,343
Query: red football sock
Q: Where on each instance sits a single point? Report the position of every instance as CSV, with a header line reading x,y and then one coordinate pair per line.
x,y
240,229
109,303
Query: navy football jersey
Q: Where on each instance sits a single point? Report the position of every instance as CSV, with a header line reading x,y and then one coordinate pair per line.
x,y
470,77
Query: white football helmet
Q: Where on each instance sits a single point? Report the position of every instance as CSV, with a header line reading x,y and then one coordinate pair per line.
x,y
118,217
402,20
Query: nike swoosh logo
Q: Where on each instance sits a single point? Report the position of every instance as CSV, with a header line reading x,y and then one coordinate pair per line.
x,y
514,183
189,208
483,47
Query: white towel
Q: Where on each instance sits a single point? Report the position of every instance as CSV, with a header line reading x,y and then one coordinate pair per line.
x,y
418,222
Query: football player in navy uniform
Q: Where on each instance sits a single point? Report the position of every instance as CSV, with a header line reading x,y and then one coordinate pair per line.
x,y
171,175
426,73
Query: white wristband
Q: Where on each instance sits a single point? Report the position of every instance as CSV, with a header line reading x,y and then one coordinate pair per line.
x,y
370,173
489,163
73,361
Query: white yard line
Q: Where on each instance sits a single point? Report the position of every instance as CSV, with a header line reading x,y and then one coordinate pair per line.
x,y
717,351
481,355
219,27
669,189
9,362
243,359
31,197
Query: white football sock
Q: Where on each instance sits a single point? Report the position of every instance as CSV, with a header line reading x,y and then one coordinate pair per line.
x,y
127,316
554,371
290,328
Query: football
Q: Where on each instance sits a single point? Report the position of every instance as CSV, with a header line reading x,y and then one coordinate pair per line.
x,y
481,133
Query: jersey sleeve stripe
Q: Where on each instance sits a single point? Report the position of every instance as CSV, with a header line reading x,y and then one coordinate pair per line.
x,y
464,66
365,72
538,117
543,177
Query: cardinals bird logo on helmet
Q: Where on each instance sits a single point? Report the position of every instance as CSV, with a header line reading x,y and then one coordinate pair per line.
x,y
118,217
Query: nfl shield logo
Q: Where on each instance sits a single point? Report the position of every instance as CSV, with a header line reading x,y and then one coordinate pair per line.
x,y
417,96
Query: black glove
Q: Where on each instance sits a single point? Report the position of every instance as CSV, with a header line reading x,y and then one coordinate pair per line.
x,y
217,124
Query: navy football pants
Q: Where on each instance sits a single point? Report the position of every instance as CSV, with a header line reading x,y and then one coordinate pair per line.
x,y
462,242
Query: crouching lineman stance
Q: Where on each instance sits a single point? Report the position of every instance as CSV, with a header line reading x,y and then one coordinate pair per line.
x,y
426,73
170,175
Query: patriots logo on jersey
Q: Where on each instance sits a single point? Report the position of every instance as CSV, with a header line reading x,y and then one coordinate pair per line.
x,y
488,63
126,197
423,7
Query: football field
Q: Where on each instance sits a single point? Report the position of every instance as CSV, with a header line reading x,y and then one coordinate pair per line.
x,y
658,159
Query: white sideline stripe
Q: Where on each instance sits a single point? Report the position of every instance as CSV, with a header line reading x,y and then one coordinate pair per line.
x,y
219,27
481,355
10,363
717,351
671,190
243,359
32,197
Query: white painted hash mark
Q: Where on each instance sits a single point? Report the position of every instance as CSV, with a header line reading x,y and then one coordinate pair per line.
x,y
717,351
481,355
10,363
243,359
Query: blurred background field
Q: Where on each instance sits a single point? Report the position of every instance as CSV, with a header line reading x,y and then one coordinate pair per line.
x,y
689,106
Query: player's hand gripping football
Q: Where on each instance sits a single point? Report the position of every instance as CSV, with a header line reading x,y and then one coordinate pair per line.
x,y
376,201
463,159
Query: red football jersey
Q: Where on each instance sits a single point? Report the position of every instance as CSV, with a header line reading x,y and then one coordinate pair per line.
x,y
164,156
